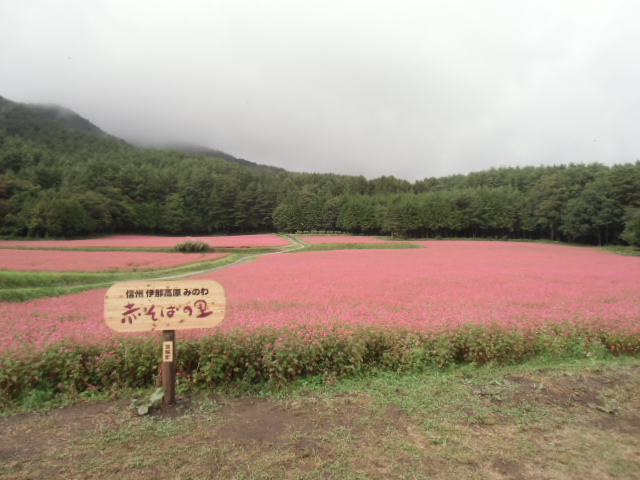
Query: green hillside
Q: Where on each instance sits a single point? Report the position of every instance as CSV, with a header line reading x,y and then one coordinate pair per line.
x,y
62,176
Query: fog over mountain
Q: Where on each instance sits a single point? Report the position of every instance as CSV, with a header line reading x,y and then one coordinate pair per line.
x,y
412,89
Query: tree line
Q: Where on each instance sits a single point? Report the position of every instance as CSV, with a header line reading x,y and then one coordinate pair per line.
x,y
591,204
59,182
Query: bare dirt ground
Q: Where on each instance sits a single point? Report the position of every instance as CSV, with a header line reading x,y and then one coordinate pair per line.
x,y
513,423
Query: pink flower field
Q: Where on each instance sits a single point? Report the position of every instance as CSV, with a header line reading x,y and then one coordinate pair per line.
x,y
441,286
314,240
66,261
444,285
139,241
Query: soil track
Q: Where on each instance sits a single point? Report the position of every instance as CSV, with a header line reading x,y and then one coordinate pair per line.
x,y
522,425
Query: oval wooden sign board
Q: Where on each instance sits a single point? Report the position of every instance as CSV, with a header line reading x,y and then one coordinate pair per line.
x,y
157,305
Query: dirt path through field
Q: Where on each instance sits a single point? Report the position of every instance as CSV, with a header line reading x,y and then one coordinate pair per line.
x,y
236,263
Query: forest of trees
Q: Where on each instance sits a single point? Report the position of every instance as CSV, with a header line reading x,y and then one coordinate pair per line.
x,y
58,181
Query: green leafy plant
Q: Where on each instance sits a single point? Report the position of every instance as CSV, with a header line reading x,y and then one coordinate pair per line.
x,y
149,402
278,356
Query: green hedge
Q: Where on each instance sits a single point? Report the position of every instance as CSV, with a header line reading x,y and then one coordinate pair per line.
x,y
282,355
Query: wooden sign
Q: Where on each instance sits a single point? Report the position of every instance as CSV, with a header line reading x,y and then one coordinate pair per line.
x,y
164,305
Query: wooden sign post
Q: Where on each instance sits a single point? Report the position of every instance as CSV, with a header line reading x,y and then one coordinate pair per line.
x,y
168,366
166,306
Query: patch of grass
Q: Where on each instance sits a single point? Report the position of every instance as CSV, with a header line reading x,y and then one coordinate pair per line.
x,y
623,250
28,294
21,286
254,250
29,279
91,249
524,422
322,247
251,250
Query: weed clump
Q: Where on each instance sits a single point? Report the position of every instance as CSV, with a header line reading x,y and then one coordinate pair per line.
x,y
193,246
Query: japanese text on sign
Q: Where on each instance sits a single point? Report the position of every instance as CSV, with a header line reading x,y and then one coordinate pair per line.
x,y
131,311
147,306
167,292
167,351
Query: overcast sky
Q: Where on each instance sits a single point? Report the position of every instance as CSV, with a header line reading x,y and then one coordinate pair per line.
x,y
413,89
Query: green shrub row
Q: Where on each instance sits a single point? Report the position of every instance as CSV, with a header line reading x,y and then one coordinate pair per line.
x,y
193,246
282,355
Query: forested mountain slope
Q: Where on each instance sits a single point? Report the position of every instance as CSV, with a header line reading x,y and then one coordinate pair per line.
x,y
68,118
211,152
69,179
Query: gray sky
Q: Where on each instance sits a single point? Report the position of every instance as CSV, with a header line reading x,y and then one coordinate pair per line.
x,y
407,88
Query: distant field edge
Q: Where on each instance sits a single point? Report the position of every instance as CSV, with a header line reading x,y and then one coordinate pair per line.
x,y
23,286
322,247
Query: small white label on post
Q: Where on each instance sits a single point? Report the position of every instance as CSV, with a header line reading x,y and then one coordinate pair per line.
x,y
167,351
